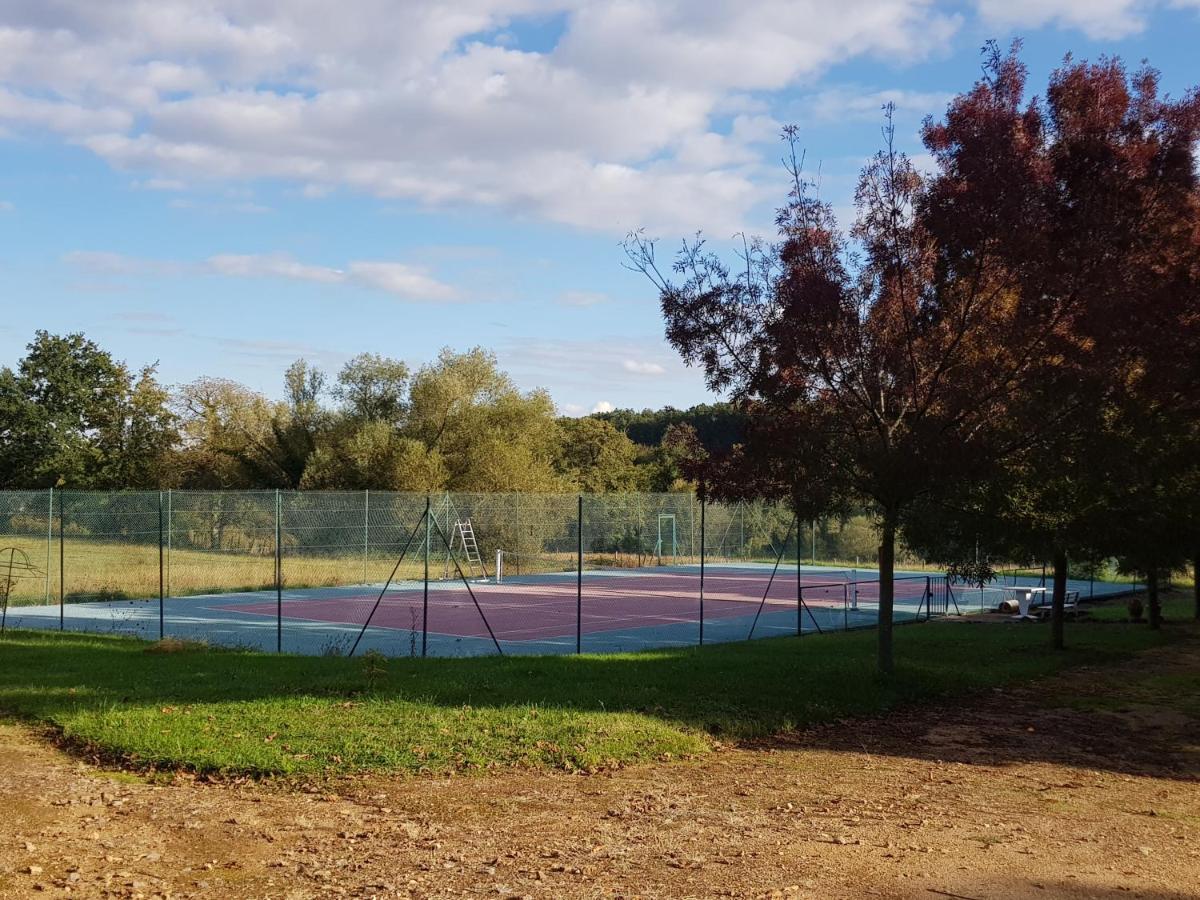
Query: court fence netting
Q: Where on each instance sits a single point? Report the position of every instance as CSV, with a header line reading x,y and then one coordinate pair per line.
x,y
450,574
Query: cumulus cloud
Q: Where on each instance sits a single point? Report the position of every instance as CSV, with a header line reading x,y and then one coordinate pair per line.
x,y
399,279
602,406
642,113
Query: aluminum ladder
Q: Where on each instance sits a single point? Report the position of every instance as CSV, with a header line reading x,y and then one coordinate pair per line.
x,y
464,537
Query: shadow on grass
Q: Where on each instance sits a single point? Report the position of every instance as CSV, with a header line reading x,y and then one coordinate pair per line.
x,y
227,710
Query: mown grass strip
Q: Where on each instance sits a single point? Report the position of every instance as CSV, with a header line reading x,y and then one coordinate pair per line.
x,y
240,712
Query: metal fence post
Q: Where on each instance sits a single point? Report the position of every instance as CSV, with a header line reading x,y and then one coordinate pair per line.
x,y
62,561
278,575
799,589
814,542
161,583
703,541
49,542
425,584
366,531
579,577
170,521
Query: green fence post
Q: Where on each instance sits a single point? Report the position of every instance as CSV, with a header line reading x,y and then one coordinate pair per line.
x,y
278,576
62,561
161,583
702,550
425,583
579,577
49,542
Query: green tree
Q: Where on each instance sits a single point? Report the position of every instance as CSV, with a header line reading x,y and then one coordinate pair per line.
x,y
597,457
373,388
490,436
227,435
374,456
74,416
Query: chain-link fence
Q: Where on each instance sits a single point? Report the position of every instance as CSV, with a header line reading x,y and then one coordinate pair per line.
x,y
450,573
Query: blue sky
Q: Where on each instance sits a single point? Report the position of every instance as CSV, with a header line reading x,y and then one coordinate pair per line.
x,y
225,186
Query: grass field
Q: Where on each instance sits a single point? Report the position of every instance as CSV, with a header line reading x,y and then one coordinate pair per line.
x,y
223,711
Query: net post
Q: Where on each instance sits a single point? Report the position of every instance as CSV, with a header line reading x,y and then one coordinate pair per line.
x,y
161,581
278,575
579,576
62,561
703,504
425,587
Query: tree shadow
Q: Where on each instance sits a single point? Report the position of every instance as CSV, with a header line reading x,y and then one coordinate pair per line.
x,y
960,693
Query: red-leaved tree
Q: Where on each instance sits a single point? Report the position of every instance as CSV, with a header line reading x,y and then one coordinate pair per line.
x,y
864,360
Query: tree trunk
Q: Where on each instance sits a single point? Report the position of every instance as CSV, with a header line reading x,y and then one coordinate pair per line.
x,y
1196,582
1153,604
887,592
1058,600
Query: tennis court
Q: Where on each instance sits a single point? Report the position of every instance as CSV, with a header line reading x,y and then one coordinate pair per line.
x,y
542,612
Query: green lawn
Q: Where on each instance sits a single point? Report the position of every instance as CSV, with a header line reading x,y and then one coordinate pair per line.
x,y
225,711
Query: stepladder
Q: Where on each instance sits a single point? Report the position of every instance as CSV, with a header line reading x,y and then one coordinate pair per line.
x,y
464,545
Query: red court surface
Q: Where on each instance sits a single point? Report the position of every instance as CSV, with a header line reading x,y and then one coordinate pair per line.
x,y
543,610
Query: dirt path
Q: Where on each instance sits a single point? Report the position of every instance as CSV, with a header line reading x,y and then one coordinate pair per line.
x,y
1015,796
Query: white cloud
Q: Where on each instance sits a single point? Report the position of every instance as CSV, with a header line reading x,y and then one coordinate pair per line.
x,y
646,112
642,368
1098,19
602,406
402,280
276,266
395,278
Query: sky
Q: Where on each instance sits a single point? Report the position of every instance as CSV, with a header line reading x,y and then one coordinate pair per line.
x,y
222,186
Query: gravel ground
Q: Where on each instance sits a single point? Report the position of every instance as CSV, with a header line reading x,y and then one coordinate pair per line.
x,y
1084,786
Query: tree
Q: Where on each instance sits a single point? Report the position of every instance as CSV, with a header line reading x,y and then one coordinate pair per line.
x,y
227,436
490,436
1089,199
74,416
597,457
886,364
373,388
718,426
374,456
